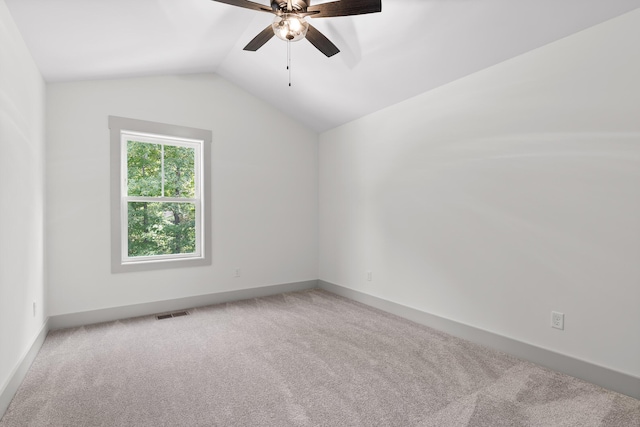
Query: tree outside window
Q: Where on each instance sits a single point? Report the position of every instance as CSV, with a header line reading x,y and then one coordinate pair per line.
x,y
156,172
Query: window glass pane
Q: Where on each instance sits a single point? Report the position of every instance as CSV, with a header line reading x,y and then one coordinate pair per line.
x,y
144,169
179,169
161,228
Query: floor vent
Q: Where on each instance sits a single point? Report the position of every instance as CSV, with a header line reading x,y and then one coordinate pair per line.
x,y
170,315
179,313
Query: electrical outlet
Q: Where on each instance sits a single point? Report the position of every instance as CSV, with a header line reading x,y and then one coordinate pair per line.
x,y
369,276
557,320
237,273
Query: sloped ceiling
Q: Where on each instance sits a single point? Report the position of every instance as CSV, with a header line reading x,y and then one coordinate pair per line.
x,y
410,47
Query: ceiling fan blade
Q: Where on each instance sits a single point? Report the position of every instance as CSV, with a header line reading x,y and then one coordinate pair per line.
x,y
344,8
259,40
322,43
247,5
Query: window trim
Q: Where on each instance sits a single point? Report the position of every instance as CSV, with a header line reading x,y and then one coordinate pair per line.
x,y
118,125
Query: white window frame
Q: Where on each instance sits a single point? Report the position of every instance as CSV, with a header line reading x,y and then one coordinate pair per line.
x,y
122,130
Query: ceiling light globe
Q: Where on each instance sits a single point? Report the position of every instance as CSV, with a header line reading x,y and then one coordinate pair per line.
x,y
290,27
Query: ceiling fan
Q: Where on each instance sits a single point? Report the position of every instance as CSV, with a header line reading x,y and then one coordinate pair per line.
x,y
290,23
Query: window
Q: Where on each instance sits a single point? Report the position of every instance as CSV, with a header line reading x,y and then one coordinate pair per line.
x,y
160,176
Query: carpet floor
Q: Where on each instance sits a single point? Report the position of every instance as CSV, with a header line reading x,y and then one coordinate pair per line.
x,y
299,359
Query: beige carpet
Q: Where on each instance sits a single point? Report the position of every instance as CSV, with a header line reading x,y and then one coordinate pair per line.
x,y
301,359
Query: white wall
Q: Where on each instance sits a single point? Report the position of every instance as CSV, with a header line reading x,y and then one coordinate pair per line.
x,y
22,100
501,197
264,190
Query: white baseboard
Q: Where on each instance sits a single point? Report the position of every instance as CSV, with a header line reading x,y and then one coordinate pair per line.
x,y
125,312
10,387
599,375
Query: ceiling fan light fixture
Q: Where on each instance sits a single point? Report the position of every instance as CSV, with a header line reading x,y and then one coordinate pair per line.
x,y
290,27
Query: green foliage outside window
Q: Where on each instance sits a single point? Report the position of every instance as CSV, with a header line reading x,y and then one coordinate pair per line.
x,y
157,227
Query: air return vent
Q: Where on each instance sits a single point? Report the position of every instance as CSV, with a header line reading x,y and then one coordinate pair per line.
x,y
170,315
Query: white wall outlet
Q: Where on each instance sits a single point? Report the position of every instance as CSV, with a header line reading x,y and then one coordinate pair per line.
x,y
369,276
557,320
34,309
237,272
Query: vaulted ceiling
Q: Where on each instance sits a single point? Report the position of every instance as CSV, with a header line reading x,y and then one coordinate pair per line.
x,y
410,47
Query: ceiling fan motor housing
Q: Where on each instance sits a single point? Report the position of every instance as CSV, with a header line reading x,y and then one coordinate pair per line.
x,y
296,5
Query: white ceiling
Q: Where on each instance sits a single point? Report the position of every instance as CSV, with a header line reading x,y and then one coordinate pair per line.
x,y
410,47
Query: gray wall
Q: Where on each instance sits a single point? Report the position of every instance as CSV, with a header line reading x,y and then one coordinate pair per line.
x,y
264,190
502,196
22,152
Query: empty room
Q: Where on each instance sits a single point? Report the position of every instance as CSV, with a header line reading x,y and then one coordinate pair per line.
x,y
320,213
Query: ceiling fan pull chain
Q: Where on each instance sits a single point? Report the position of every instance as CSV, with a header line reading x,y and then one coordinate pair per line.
x,y
289,60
